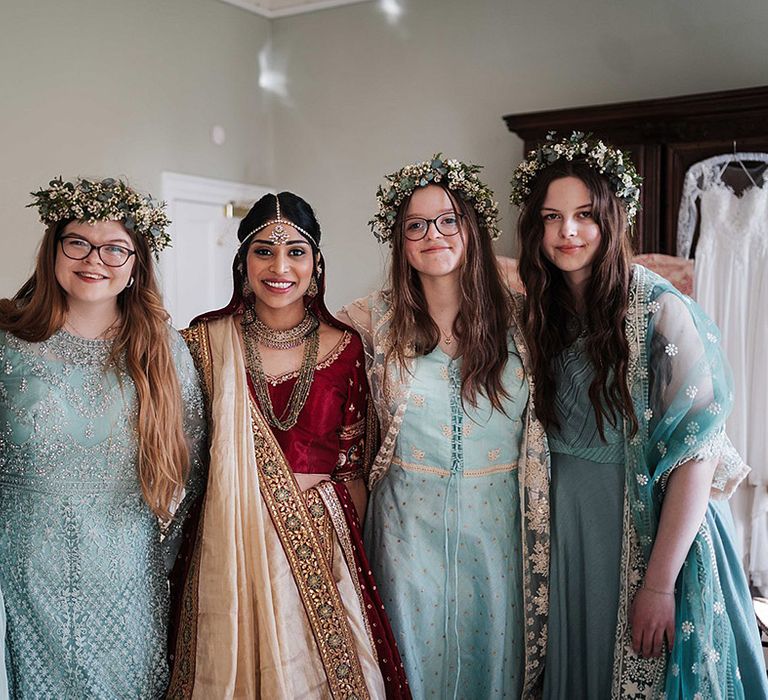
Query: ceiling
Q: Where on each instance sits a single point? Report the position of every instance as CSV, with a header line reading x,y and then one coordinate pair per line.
x,y
283,8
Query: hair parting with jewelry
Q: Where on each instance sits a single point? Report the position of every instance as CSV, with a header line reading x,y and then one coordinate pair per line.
x,y
551,321
39,309
481,337
285,208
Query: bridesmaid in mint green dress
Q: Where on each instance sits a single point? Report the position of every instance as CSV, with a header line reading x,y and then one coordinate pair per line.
x,y
647,597
85,347
456,526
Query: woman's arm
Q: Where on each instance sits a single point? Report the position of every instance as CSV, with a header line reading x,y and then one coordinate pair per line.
x,y
195,430
353,434
509,273
685,503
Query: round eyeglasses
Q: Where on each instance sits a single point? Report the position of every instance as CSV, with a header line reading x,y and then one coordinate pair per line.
x,y
110,254
448,224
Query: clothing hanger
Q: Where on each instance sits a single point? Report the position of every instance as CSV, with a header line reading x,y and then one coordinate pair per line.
x,y
699,176
735,157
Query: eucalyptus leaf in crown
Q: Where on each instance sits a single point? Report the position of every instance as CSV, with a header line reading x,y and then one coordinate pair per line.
x,y
104,200
616,165
456,176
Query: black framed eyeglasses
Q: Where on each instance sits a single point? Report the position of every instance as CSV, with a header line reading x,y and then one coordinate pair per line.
x,y
111,254
448,224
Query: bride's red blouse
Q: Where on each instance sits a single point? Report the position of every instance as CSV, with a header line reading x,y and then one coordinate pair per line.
x,y
329,436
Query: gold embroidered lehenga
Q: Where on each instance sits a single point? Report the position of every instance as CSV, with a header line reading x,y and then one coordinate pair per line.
x,y
275,596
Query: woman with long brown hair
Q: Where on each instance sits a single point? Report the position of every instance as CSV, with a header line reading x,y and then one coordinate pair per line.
x,y
647,597
461,472
102,426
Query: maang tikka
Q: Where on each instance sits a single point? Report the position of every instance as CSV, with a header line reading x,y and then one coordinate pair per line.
x,y
279,235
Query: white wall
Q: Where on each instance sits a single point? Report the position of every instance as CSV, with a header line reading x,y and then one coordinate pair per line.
x,y
132,87
123,87
365,97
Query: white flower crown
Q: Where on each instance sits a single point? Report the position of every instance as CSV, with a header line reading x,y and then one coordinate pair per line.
x,y
616,165
455,175
104,200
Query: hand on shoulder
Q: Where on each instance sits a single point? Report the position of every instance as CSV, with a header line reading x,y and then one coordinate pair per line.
x,y
509,273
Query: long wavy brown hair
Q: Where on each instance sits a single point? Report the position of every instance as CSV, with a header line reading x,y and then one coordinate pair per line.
x,y
551,320
484,314
39,309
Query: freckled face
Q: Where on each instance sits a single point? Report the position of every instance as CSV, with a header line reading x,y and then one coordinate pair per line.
x,y
90,281
435,255
279,274
571,235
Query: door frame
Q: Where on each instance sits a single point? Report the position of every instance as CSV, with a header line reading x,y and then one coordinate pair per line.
x,y
178,187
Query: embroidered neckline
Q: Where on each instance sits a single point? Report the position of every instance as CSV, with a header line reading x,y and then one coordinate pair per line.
x,y
326,362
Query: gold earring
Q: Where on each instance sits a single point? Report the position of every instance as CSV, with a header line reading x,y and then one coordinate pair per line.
x,y
312,290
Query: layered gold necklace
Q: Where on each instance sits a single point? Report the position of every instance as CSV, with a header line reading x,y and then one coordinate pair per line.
x,y
256,332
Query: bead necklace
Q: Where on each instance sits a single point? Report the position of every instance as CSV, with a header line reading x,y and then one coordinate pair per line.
x,y
277,339
252,336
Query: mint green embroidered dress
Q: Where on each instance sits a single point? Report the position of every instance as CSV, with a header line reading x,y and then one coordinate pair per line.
x,y
443,536
82,565
457,525
605,503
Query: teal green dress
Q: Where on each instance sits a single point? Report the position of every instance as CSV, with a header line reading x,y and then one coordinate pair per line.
x,y
443,534
606,496
82,564
587,494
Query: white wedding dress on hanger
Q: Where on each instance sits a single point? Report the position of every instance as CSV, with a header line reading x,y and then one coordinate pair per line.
x,y
731,284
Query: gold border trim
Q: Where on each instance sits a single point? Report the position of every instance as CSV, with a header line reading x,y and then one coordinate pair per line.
x,y
339,522
466,473
311,571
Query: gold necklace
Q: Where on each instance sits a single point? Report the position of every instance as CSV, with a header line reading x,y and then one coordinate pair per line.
x,y
255,368
277,339
447,337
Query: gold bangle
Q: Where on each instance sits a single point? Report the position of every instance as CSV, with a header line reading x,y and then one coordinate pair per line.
x,y
656,590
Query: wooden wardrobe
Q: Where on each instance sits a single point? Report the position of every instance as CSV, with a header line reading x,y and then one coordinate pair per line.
x,y
665,137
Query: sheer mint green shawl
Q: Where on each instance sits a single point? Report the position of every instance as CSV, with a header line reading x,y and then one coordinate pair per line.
x,y
682,392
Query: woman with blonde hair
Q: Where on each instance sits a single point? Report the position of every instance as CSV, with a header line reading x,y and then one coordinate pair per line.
x,y
456,525
101,428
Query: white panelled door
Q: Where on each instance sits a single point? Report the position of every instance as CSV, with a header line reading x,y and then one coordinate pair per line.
x,y
196,271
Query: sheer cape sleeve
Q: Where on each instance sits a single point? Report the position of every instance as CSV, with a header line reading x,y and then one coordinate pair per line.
x,y
689,395
358,315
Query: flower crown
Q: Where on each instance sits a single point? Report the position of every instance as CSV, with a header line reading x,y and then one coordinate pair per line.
x,y
455,175
616,165
106,200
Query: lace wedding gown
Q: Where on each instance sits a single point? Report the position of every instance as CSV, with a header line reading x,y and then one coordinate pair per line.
x,y
731,284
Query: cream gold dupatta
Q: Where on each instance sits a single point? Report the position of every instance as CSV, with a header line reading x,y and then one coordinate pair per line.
x,y
270,608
